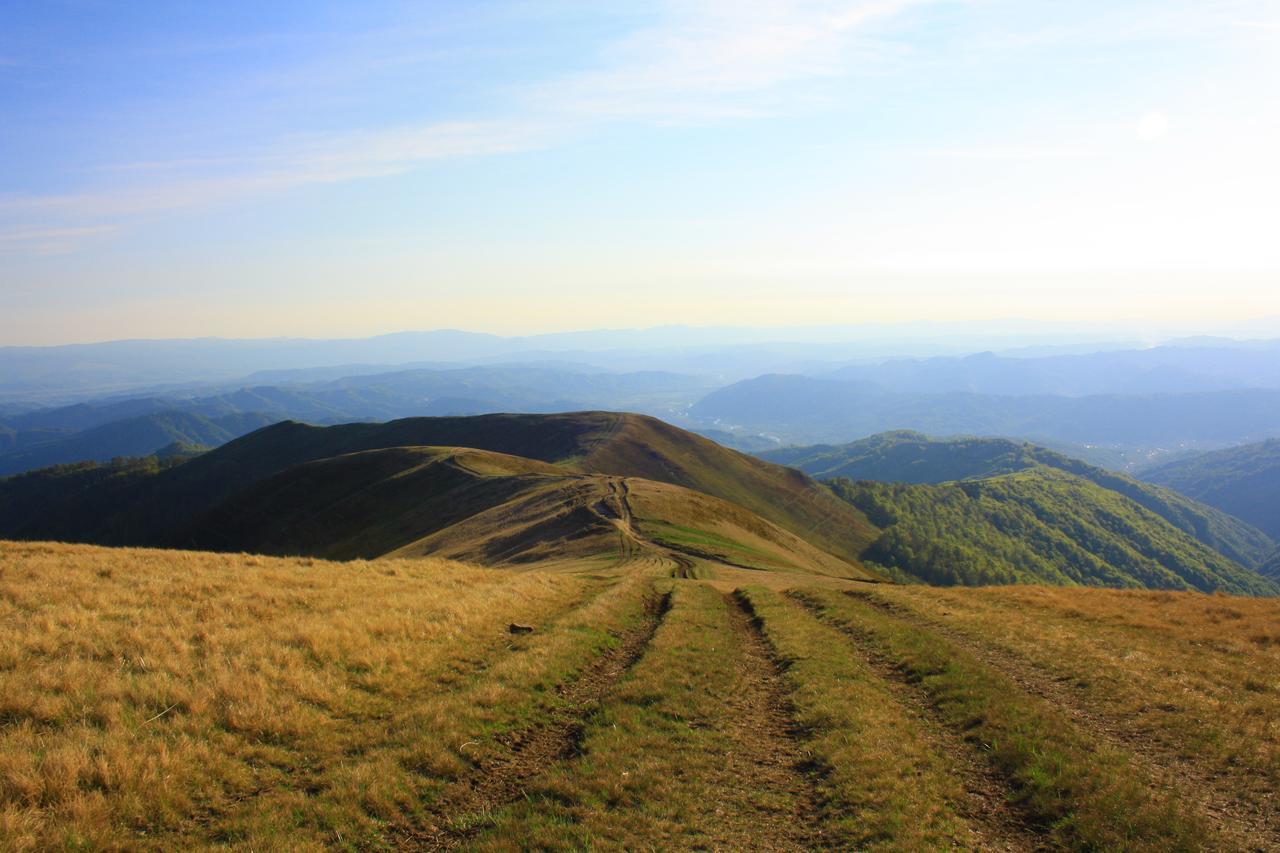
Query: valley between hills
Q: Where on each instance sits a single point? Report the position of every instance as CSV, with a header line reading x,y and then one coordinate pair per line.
x,y
597,631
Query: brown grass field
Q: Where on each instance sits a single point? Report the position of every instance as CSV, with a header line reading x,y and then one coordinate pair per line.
x,y
179,700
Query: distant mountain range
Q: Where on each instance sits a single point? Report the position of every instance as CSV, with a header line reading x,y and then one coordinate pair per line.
x,y
137,436
1192,366
807,409
1176,398
138,426
929,357
53,374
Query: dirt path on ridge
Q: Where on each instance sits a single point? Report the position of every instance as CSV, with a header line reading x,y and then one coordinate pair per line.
x,y
769,754
496,783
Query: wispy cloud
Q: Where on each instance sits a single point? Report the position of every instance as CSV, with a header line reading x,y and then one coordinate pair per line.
x,y
712,60
300,162
1014,153
705,60
46,241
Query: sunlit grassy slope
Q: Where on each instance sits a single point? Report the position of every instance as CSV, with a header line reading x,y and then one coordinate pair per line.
x,y
174,700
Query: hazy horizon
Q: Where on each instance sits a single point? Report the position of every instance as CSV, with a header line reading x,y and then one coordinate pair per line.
x,y
1010,332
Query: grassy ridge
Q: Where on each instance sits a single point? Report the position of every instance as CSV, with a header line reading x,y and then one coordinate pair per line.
x,y
1088,796
199,503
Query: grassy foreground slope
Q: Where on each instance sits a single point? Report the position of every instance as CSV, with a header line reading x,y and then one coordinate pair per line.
x,y
910,457
174,700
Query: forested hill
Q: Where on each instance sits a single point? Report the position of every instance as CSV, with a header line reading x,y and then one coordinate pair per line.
x,y
1271,568
1244,481
910,457
1040,525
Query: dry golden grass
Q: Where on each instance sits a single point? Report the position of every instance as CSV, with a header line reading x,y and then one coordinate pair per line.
x,y
1199,673
151,696
1076,790
174,700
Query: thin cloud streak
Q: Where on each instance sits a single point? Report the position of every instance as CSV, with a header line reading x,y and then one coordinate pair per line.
x,y
707,61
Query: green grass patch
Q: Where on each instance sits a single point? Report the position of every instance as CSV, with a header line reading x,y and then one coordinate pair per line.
x,y
654,772
678,536
883,786
1085,794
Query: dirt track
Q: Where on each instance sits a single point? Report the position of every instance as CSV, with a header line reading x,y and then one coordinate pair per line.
x,y
492,785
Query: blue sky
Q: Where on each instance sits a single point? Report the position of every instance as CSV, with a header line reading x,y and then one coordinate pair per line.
x,y
259,169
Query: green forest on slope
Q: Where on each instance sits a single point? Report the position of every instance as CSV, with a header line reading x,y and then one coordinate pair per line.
x,y
1039,525
1244,481
911,457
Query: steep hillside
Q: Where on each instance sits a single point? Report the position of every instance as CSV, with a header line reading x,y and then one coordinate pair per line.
x,y
577,516
1040,525
638,446
159,510
138,436
910,457
1271,568
365,504
491,508
1244,481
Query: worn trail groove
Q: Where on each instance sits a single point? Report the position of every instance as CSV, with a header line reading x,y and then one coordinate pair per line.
x,y
988,805
770,755
496,783
1247,825
616,508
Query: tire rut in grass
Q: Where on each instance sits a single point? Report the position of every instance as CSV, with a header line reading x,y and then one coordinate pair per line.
x,y
496,783
989,803
1246,825
770,754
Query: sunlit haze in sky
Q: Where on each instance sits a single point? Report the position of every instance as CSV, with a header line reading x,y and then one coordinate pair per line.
x,y
337,169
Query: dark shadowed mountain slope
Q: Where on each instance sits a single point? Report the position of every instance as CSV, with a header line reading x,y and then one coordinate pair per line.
x,y
162,509
1244,481
494,509
910,457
